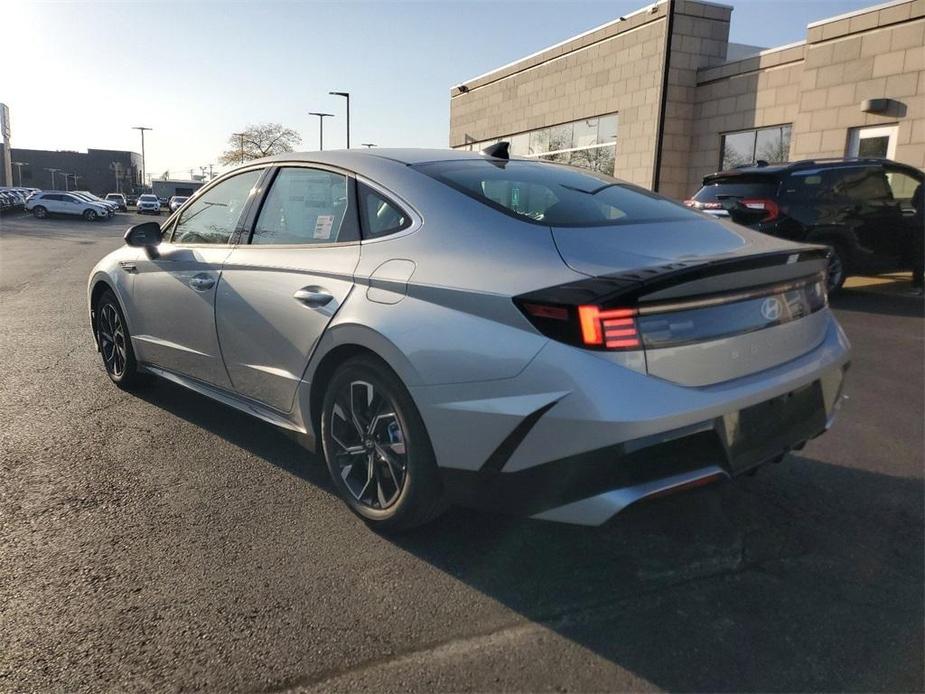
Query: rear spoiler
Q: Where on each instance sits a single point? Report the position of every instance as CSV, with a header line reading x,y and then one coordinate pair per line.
x,y
690,279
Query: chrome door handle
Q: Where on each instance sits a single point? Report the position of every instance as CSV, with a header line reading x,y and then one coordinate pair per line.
x,y
202,282
313,297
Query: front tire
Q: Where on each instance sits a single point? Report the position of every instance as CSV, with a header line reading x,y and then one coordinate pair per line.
x,y
90,215
39,212
115,343
377,449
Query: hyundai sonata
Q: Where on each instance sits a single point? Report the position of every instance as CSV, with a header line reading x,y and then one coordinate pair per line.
x,y
457,327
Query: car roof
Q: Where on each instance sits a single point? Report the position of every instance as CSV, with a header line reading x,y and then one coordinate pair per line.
x,y
354,158
774,169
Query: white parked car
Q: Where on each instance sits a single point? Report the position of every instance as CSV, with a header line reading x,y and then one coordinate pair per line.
x,y
110,207
148,203
176,201
55,202
119,199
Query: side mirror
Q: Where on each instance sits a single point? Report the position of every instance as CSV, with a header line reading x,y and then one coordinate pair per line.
x,y
144,235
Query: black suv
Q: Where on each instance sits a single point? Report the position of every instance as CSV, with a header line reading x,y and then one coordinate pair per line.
x,y
869,211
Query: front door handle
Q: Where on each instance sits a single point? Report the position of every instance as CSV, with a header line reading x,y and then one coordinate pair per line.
x,y
202,282
313,297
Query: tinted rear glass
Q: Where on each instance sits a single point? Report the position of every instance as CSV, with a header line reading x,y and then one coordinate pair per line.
x,y
738,187
554,195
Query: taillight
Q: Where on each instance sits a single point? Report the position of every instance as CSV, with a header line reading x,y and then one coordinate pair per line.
x,y
585,325
769,206
613,328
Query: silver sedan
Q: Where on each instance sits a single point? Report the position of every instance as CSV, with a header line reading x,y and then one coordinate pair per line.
x,y
455,327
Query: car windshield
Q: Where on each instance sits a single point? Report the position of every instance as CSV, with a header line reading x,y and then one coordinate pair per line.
x,y
716,190
554,195
148,198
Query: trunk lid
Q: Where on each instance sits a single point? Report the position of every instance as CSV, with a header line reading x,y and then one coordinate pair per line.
x,y
603,250
714,301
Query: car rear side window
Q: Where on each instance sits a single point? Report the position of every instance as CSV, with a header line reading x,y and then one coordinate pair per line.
x,y
380,216
554,195
306,206
212,218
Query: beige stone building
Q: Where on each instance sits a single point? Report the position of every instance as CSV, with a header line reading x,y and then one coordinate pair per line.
x,y
660,97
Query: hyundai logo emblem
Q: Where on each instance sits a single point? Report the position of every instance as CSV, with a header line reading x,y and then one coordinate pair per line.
x,y
770,308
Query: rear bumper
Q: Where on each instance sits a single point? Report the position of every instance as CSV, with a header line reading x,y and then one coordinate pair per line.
x,y
592,437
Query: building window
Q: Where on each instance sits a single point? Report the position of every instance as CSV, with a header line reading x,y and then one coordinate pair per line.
x,y
763,144
590,143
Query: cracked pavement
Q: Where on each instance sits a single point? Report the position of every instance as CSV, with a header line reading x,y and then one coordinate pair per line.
x,y
162,542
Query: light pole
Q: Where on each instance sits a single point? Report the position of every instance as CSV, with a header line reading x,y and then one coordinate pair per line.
x,y
241,135
369,145
52,171
142,129
66,179
19,165
321,117
346,95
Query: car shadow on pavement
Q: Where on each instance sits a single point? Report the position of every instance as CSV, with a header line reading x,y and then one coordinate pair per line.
x,y
259,438
862,301
808,576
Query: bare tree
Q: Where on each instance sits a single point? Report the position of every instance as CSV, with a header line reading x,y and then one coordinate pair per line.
x,y
256,141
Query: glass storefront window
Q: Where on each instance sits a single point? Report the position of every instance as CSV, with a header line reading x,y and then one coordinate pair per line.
x,y
560,137
539,141
607,129
520,145
588,143
585,134
768,144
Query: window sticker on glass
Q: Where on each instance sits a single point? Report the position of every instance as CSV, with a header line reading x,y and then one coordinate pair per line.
x,y
323,225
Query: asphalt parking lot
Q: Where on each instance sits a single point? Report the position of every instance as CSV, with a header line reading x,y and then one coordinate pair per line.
x,y
160,541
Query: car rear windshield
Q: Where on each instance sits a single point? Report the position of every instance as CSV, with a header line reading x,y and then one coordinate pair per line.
x,y
554,195
717,189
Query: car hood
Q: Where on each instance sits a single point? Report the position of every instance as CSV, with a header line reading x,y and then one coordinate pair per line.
x,y
602,250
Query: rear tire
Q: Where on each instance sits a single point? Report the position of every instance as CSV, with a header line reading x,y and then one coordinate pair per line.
x,y
39,212
837,269
377,449
115,343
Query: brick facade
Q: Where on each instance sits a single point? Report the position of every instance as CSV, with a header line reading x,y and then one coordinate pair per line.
x,y
815,86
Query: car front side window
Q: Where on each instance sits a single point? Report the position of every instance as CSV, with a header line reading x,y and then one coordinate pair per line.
x,y
306,207
214,216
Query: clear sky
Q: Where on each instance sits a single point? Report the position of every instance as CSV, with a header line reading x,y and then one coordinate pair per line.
x,y
80,74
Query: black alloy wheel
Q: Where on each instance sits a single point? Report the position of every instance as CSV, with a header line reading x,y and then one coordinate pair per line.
x,y
377,449
115,343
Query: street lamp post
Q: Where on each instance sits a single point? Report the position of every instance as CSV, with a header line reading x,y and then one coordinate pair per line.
x,y
241,135
321,117
19,165
346,95
66,179
142,129
53,172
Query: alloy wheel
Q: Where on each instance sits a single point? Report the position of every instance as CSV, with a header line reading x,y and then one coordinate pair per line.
x,y
370,445
112,340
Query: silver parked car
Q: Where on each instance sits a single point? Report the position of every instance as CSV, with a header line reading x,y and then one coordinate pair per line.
x,y
455,327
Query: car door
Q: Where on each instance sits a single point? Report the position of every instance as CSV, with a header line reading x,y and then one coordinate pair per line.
x,y
174,288
875,215
280,289
56,203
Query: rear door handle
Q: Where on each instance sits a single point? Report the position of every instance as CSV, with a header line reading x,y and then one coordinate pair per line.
x,y
313,297
202,282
